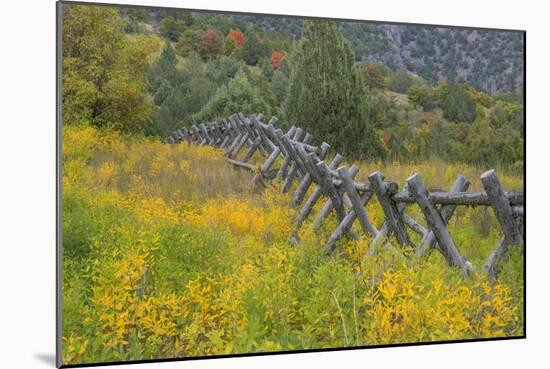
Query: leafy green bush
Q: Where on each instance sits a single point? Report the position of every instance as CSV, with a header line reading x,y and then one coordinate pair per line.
x,y
401,82
172,28
456,103
422,96
238,96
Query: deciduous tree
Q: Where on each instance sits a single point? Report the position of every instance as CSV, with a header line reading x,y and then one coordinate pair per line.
x,y
172,28
373,77
422,96
233,44
211,44
188,42
104,73
238,36
275,60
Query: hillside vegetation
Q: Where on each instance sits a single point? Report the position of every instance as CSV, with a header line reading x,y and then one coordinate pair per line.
x,y
470,56
201,67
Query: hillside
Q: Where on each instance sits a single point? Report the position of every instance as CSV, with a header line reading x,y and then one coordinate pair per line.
x,y
490,61
205,66
460,55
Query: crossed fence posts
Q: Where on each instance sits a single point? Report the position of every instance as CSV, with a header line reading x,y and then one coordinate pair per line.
x,y
305,163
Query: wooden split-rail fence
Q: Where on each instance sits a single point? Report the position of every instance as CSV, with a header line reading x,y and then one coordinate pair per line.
x,y
305,163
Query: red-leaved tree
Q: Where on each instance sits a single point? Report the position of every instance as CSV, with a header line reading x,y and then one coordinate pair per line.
x,y
211,44
238,36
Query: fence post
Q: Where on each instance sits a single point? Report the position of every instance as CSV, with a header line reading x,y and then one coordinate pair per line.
x,y
390,211
266,166
316,194
302,188
429,242
501,207
239,146
436,224
503,212
292,153
269,145
294,169
357,206
345,224
327,208
328,188
292,133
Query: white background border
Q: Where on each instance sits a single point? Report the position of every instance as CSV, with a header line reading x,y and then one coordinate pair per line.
x,y
27,182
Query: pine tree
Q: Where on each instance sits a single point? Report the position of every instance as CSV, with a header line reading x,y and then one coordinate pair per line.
x,y
163,92
326,93
180,104
164,69
279,84
251,50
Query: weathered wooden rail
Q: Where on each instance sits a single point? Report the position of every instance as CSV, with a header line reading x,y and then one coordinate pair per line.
x,y
304,162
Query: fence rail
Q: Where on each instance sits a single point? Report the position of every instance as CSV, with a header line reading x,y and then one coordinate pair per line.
x,y
305,163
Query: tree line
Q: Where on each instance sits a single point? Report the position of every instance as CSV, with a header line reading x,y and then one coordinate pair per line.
x,y
211,65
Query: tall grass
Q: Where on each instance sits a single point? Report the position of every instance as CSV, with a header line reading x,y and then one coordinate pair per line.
x,y
166,253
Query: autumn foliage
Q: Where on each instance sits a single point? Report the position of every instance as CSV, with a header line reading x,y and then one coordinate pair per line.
x,y
237,36
166,254
211,44
275,60
166,251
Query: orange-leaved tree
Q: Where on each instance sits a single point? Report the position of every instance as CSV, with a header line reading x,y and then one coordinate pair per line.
x,y
211,44
276,58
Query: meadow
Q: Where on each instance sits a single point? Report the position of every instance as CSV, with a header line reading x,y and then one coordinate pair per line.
x,y
167,252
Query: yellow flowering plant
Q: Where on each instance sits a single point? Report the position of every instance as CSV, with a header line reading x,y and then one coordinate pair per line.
x,y
166,253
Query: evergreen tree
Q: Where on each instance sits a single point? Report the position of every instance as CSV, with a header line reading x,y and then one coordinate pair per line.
x,y
237,96
456,103
261,85
163,92
222,69
266,68
164,69
326,93
251,50
279,85
178,107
